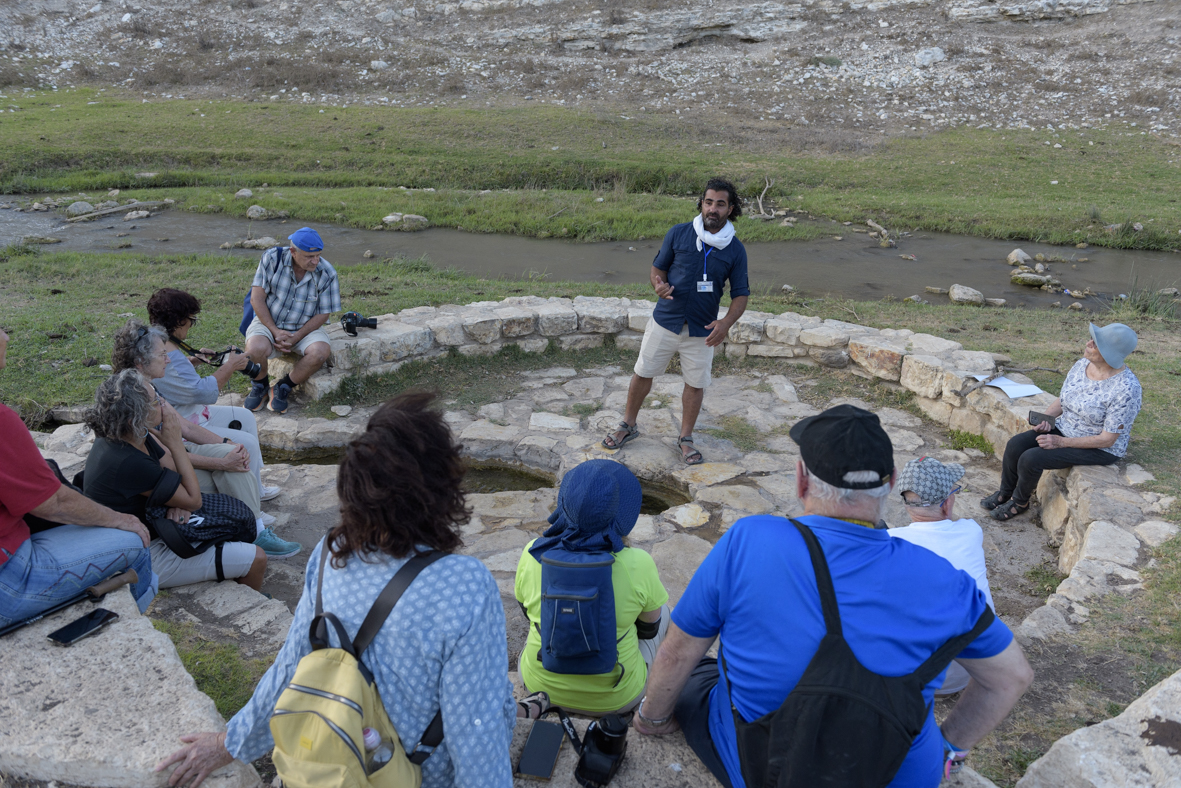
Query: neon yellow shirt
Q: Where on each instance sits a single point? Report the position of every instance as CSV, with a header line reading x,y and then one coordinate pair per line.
x,y
637,590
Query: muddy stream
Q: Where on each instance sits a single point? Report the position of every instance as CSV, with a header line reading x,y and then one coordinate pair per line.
x,y
853,267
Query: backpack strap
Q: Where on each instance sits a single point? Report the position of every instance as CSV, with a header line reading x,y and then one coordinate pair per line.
x,y
935,663
318,629
828,597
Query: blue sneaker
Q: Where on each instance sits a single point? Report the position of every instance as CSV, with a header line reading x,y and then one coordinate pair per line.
x,y
279,400
275,547
258,394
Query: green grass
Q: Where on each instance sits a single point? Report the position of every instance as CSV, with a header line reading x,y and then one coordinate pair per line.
x,y
958,439
981,182
1045,578
218,668
744,435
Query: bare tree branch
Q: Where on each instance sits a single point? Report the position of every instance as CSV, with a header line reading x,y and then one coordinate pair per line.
x,y
1001,371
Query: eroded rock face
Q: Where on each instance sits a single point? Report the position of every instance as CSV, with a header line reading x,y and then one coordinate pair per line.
x,y
1137,749
72,719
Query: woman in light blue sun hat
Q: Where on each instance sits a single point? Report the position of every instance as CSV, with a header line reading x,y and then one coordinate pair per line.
x,y
1093,421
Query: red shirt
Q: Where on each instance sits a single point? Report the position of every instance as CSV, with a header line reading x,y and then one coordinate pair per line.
x,y
26,481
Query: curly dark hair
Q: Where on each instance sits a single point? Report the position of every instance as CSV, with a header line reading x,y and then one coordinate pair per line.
x,y
399,484
169,307
723,185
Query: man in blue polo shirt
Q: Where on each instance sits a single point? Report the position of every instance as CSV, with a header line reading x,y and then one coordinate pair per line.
x,y
694,263
897,603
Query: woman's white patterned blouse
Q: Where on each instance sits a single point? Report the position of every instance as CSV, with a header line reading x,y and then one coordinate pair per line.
x,y
1090,407
443,646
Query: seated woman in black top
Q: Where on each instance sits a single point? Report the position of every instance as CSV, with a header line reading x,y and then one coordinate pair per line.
x,y
133,466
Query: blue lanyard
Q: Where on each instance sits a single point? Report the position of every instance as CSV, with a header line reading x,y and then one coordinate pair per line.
x,y
704,264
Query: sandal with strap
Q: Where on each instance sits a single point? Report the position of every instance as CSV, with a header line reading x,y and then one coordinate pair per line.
x,y
537,702
692,458
630,430
994,500
1009,510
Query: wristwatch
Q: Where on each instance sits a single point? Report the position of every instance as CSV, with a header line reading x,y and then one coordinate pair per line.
x,y
226,440
649,722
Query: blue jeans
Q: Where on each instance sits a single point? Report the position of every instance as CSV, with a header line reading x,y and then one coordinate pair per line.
x,y
59,564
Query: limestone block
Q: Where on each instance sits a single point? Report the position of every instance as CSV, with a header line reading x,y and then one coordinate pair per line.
x,y
923,375
735,351
736,496
785,332
1072,544
555,319
1155,532
967,421
628,340
419,315
448,331
531,344
990,401
926,344
483,439
516,505
688,515
1089,579
770,350
677,558
585,388
903,440
599,317
62,725
824,336
1043,623
783,388
483,327
1018,257
552,421
880,358
698,477
580,341
516,322
401,340
637,319
1134,474
829,357
976,362
954,381
481,350
1106,504
998,437
648,529
936,410
962,294
967,777
897,418
1052,495
1107,542
538,451
804,321
1137,749
748,328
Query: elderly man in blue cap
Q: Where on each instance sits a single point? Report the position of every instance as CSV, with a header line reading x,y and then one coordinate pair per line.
x,y
293,294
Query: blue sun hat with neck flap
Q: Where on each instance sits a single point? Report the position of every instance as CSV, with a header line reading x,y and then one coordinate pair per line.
x,y
305,239
598,504
1115,342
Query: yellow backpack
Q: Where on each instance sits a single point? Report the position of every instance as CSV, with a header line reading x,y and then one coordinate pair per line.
x,y
319,719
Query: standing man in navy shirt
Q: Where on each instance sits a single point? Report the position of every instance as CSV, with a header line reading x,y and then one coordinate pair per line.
x,y
694,263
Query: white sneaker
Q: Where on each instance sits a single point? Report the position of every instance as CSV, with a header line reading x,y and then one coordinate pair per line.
x,y
265,519
268,492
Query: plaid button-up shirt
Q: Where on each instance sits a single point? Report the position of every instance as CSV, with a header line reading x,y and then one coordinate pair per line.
x,y
293,303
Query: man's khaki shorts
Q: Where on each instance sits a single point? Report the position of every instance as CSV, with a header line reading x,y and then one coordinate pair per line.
x,y
657,349
257,329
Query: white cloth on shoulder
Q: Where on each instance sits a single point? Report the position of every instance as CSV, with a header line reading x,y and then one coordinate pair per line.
x,y
719,240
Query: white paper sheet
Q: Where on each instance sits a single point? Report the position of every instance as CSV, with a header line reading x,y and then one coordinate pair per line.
x,y
1012,388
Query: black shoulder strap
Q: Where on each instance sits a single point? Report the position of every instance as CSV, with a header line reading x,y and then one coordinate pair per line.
x,y
389,597
927,671
167,530
828,597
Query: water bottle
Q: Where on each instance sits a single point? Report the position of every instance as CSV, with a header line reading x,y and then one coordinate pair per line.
x,y
378,750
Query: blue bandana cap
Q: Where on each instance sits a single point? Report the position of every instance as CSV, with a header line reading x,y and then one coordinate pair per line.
x,y
598,504
305,239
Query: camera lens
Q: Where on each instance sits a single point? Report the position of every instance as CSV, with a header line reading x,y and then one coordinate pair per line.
x,y
252,369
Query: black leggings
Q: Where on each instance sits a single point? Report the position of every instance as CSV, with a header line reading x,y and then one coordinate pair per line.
x,y
1025,460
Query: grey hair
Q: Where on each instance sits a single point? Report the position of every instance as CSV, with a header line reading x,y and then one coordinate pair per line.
x,y
822,490
133,344
122,406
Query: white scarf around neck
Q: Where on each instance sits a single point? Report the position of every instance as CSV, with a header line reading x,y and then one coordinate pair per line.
x,y
718,240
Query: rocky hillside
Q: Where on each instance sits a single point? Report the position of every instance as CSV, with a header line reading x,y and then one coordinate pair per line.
x,y
857,71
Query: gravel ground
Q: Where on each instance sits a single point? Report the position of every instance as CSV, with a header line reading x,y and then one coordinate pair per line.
x,y
854,73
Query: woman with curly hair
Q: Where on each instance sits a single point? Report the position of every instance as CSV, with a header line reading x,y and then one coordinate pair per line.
x,y
134,465
442,647
224,464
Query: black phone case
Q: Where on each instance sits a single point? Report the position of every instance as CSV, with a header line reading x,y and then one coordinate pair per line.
x,y
542,748
1036,418
83,627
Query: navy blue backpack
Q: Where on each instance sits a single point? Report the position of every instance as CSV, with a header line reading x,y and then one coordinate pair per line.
x,y
578,613
247,309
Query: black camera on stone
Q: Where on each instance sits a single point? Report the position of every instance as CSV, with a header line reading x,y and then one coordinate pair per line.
x,y
351,321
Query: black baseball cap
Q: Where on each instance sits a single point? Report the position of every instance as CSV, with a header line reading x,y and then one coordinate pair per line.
x,y
841,440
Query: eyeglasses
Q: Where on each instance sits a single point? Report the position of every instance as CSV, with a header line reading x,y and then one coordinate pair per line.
x,y
193,320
